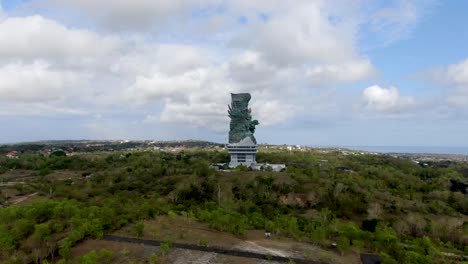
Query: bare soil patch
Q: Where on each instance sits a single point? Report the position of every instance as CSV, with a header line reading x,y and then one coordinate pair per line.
x,y
182,230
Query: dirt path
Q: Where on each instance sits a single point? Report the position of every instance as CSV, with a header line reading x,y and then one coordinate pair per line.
x,y
6,184
24,198
217,250
260,249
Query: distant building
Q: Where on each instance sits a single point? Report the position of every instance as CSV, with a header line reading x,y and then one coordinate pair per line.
x,y
12,155
46,151
266,166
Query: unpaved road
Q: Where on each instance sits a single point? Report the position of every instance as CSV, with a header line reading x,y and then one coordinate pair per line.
x,y
211,249
24,198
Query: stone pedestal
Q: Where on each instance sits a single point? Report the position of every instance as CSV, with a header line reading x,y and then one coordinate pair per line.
x,y
243,153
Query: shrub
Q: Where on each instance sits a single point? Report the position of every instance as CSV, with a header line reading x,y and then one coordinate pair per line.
x,y
343,244
139,229
165,247
154,259
90,258
203,242
105,256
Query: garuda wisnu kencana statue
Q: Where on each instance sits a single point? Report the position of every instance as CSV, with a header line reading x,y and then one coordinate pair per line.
x,y
241,125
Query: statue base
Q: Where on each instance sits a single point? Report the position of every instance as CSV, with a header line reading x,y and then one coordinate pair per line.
x,y
243,153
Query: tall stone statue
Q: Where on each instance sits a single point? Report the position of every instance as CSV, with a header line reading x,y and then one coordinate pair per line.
x,y
242,125
242,143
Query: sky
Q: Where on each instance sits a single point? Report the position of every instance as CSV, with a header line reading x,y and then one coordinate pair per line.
x,y
320,72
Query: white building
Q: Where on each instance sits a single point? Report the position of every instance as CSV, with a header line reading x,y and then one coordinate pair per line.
x,y
243,153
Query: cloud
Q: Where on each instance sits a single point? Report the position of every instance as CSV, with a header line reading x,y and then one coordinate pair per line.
x,y
458,73
170,59
453,78
135,15
272,112
452,75
160,86
300,34
2,14
44,62
36,82
212,115
39,109
165,62
395,19
250,71
345,72
200,96
37,38
386,100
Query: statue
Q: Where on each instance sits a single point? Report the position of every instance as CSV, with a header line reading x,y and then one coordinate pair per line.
x,y
241,125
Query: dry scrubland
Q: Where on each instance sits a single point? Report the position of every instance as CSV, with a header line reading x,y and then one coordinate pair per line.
x,y
60,207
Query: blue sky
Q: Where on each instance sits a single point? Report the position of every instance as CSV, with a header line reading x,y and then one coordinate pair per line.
x,y
350,73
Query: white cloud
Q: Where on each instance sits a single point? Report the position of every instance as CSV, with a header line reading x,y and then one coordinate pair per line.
x,y
458,73
345,72
454,78
200,96
386,99
176,75
35,37
160,86
170,59
251,72
43,62
208,114
301,33
272,112
36,82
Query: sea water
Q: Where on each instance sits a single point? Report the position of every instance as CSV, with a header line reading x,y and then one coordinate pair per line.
x,y
412,149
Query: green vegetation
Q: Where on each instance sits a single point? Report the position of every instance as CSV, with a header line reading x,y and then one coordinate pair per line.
x,y
104,256
165,247
366,203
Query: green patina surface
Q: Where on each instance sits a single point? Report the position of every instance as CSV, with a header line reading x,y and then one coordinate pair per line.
x,y
241,125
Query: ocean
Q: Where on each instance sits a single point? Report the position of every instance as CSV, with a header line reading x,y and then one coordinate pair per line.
x,y
412,149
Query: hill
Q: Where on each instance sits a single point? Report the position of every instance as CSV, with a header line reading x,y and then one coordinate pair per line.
x,y
401,210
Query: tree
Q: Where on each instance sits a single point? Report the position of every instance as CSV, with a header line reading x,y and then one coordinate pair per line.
x,y
7,241
22,228
41,232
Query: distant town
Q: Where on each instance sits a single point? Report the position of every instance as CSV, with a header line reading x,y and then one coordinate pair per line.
x,y
73,147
